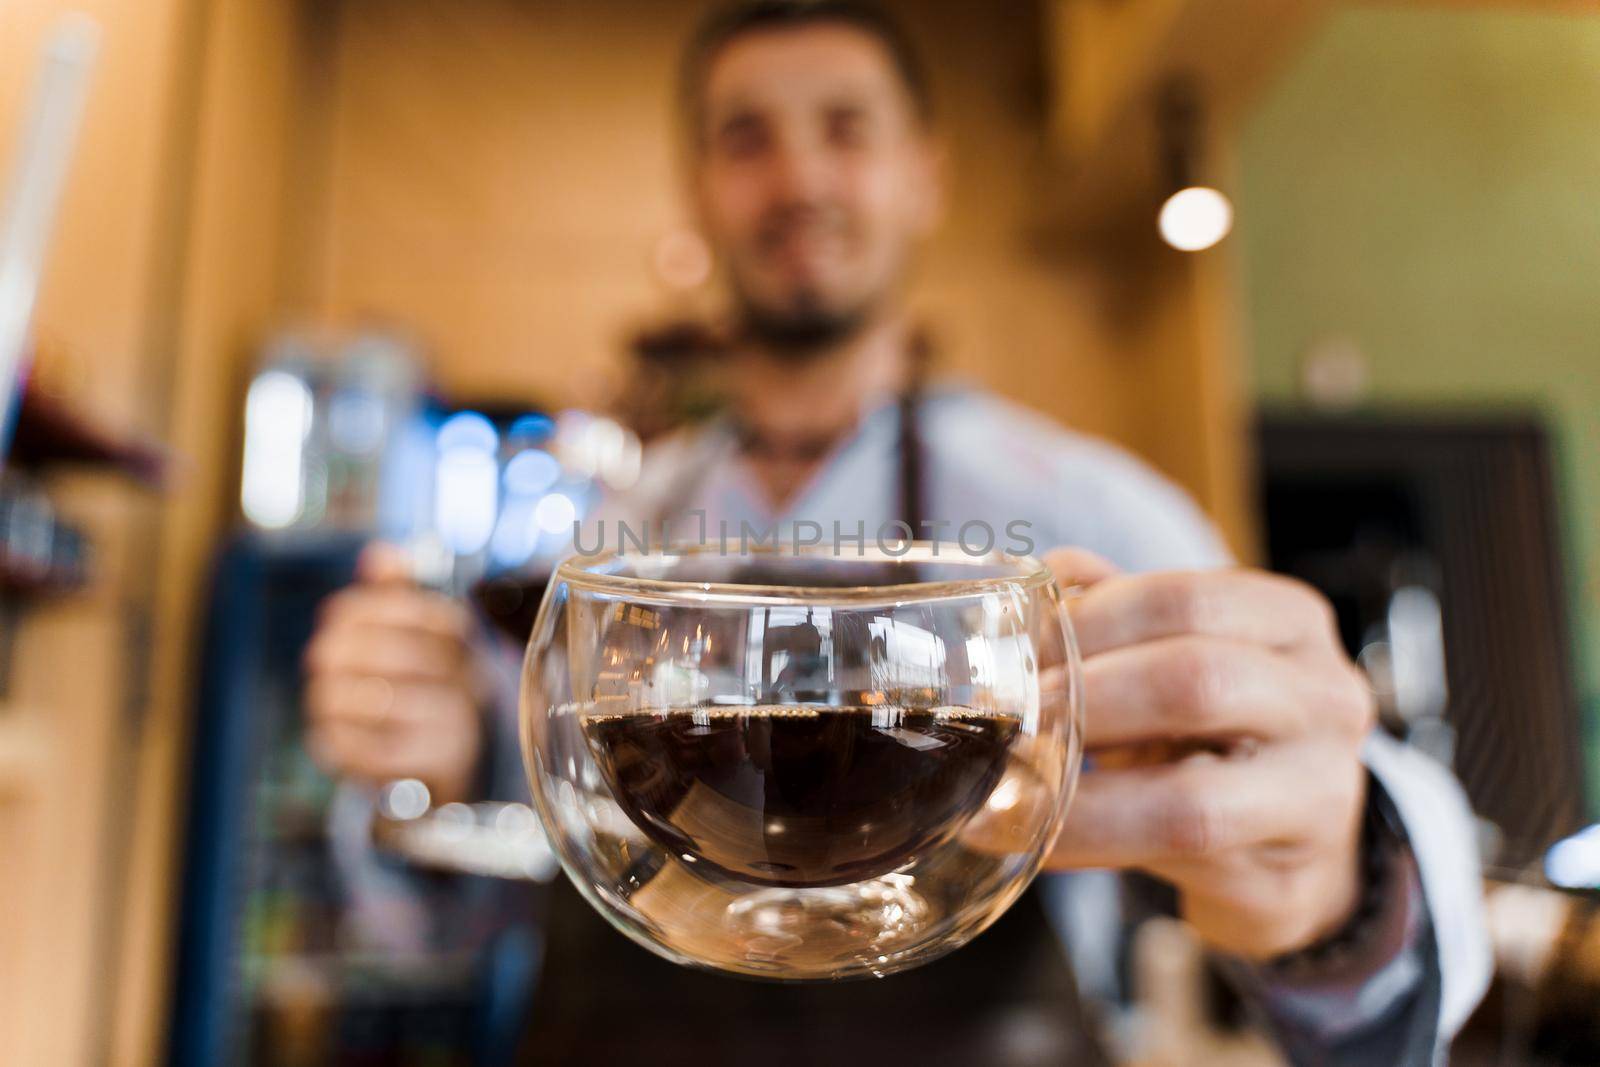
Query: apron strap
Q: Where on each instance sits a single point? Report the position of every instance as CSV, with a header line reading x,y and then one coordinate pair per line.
x,y
910,444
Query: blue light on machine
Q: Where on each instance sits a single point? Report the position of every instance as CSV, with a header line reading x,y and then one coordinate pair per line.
x,y
530,473
531,427
468,429
526,512
516,535
466,482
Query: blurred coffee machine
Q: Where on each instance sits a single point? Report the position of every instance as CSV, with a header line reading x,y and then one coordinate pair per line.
x,y
344,442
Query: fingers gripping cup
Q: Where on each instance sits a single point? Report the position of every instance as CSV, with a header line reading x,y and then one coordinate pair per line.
x,y
797,765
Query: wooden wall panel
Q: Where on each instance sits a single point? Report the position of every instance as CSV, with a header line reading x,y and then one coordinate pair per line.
x,y
501,171
65,723
251,154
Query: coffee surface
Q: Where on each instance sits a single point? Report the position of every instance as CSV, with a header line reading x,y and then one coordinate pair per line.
x,y
801,795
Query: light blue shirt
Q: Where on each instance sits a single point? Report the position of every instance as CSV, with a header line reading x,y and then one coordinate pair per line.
x,y
985,459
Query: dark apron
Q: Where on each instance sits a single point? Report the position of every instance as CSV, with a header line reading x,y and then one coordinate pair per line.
x,y
1005,1000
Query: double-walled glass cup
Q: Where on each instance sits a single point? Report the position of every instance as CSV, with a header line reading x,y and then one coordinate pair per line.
x,y
796,764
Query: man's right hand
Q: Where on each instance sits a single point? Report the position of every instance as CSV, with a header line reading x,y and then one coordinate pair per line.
x,y
394,682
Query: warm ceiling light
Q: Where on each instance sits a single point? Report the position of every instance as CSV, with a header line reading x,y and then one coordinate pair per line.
x,y
682,260
1195,218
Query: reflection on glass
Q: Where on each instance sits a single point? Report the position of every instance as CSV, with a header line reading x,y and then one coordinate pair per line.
x,y
798,766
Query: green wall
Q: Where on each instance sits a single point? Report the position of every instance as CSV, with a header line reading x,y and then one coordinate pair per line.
x,y
1427,184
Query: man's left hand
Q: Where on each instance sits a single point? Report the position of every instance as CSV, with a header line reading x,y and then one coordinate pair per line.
x,y
1224,726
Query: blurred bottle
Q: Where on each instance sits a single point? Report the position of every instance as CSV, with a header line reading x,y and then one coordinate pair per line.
x,y
333,440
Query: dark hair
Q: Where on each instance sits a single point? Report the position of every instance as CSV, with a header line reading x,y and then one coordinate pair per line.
x,y
727,22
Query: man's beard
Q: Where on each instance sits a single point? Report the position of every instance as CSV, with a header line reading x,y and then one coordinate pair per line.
x,y
804,330
803,323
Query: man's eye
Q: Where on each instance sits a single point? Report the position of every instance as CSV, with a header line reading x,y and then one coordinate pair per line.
x,y
847,129
742,138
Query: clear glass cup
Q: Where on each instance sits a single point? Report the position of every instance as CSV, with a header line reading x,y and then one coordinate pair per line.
x,y
799,765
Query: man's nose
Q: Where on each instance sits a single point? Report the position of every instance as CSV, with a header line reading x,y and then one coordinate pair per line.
x,y
799,171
